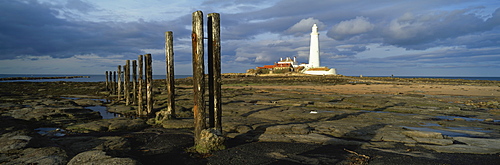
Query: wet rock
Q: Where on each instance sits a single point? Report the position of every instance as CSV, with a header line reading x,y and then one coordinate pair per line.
x,y
99,157
87,102
178,123
46,155
489,120
11,141
423,134
243,129
115,124
461,148
111,144
442,142
302,138
480,142
121,109
288,129
396,137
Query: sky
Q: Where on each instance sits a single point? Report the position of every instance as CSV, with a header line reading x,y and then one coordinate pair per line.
x,y
357,37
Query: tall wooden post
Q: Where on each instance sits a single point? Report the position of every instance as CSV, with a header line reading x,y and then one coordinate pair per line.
x,y
126,86
134,82
214,64
119,89
149,84
140,87
198,75
114,82
107,81
169,60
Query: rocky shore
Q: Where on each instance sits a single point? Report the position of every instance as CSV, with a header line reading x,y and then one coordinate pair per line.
x,y
266,119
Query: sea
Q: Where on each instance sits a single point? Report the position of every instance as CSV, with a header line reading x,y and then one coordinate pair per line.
x,y
87,78
102,78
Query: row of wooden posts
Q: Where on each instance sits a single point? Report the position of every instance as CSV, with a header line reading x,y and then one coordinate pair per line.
x,y
133,93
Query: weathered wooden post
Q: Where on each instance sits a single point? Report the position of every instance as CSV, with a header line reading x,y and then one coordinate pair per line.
x,y
126,86
110,78
170,80
107,81
140,87
114,82
198,75
214,64
134,82
149,84
119,89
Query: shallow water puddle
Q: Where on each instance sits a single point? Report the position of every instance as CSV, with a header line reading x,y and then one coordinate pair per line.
x,y
98,108
103,111
459,117
51,131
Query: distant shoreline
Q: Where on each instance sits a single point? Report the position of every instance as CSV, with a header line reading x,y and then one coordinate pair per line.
x,y
40,78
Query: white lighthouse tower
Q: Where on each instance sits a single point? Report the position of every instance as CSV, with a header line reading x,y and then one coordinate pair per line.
x,y
314,67
314,48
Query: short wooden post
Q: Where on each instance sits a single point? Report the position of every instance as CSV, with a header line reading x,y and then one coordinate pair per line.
x,y
198,75
107,81
169,61
119,89
214,64
149,84
134,82
140,87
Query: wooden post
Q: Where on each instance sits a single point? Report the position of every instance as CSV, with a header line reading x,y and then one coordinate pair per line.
x,y
169,60
107,81
119,89
211,112
198,75
114,82
126,87
134,82
140,87
149,84
214,63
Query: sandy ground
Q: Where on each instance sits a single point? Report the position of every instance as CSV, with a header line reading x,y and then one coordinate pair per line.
x,y
453,90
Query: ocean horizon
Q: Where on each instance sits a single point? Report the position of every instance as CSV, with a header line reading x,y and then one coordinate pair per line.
x,y
87,77
102,78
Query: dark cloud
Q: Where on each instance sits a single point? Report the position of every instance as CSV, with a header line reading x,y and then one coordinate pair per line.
x,y
259,32
31,28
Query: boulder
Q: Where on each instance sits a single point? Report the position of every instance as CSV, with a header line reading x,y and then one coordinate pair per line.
x,y
210,140
99,157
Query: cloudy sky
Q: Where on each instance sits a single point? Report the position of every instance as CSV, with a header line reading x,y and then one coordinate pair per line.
x,y
357,37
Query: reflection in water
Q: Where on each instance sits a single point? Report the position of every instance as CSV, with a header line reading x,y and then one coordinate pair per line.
x,y
103,111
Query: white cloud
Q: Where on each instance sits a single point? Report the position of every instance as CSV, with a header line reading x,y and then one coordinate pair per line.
x,y
350,28
304,26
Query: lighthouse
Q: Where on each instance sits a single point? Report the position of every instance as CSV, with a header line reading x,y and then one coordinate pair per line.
x,y
314,48
314,67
